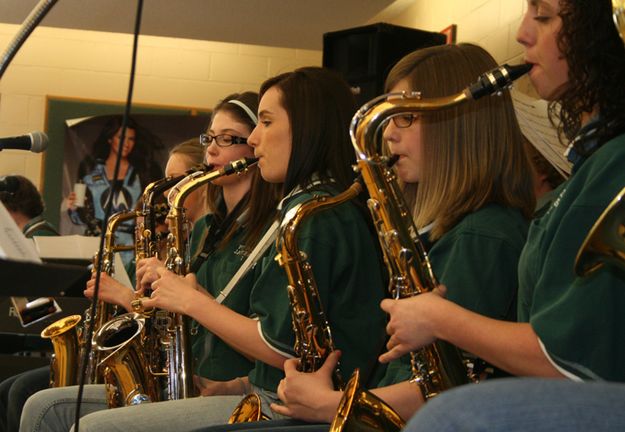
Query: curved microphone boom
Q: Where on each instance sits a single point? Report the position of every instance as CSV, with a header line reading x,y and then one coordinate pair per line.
x,y
29,24
35,142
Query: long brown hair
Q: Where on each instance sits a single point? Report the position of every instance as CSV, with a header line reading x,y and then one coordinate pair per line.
x,y
474,152
319,105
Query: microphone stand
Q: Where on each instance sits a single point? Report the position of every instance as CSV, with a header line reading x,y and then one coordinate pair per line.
x,y
32,20
107,214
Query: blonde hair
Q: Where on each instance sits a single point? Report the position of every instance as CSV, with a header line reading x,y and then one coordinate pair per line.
x,y
474,152
193,151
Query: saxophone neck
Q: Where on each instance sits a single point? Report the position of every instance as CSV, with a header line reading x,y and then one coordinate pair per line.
x,y
113,224
287,234
177,259
366,125
183,188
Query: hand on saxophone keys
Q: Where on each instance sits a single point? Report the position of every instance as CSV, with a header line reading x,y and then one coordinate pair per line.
x,y
309,396
146,273
110,291
138,307
412,322
172,292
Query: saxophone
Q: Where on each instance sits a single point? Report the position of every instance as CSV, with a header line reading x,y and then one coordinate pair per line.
x,y
66,337
122,342
605,243
159,367
439,366
313,337
618,13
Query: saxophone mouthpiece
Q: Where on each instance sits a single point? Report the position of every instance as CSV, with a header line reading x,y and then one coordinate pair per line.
x,y
240,165
392,161
497,80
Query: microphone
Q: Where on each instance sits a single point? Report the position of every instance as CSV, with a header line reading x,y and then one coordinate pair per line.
x,y
9,184
36,142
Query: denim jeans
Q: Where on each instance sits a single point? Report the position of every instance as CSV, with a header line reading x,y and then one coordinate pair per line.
x,y
15,390
54,410
180,415
525,404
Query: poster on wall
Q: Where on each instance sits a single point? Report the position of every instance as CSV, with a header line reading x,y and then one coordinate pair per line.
x,y
91,146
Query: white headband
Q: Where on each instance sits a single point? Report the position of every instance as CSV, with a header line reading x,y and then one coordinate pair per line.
x,y
246,109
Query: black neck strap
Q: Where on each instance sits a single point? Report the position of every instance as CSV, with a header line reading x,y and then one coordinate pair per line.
x,y
215,234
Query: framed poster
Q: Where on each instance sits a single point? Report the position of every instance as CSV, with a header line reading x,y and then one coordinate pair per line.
x,y
74,127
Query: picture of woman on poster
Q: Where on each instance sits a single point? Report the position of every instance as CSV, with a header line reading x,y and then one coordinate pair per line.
x,y
137,169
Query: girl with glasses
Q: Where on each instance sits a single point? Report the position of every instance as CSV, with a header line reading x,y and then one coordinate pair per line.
x,y
468,182
559,314
221,240
304,149
575,325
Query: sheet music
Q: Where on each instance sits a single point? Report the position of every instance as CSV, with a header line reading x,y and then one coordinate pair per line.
x,y
535,125
78,247
67,247
13,244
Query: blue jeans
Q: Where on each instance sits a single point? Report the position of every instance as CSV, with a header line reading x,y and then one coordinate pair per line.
x,y
525,404
53,410
15,390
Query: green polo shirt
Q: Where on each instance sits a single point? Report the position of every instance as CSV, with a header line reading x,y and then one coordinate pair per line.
x,y
213,358
579,321
348,272
477,261
39,227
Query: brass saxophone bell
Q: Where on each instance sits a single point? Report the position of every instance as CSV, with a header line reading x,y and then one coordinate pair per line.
x,y
605,243
361,410
65,340
618,12
248,410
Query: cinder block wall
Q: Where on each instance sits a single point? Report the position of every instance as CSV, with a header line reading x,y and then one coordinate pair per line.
x,y
489,23
190,73
95,65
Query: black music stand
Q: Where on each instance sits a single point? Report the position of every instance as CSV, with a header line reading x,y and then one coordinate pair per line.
x,y
27,279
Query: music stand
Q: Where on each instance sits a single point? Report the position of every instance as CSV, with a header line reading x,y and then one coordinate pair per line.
x,y
27,279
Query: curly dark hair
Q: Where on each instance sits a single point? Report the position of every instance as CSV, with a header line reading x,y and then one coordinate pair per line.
x,y
595,54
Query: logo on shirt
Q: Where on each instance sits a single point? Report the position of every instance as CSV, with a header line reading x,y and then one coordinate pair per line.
x,y
556,202
242,251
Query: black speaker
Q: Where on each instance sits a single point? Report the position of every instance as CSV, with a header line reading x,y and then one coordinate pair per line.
x,y
364,55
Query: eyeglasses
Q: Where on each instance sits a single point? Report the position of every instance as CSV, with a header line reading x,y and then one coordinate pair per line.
x,y
403,121
223,140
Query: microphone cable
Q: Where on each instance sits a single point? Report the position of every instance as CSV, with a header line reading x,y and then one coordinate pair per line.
x,y
107,213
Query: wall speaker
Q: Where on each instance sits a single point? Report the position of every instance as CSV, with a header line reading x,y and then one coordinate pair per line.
x,y
364,55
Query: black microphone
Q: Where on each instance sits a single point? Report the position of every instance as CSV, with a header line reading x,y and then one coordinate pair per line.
x,y
9,184
36,142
